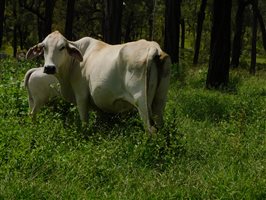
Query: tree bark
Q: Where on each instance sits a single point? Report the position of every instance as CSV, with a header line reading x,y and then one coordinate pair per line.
x,y
238,37
200,20
2,11
15,41
151,11
262,28
183,33
69,19
129,27
40,29
112,21
21,37
219,61
172,28
49,8
254,37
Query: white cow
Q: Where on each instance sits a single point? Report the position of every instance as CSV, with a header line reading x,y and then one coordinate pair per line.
x,y
41,88
109,78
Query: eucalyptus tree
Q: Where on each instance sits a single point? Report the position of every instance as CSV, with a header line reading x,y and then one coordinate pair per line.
x,y
219,60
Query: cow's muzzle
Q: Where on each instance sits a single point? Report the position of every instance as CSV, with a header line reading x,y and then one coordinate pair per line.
x,y
49,69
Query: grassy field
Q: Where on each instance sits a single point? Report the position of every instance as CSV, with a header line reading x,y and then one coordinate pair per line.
x,y
212,145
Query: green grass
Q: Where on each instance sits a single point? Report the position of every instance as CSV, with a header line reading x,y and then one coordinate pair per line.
x,y
211,147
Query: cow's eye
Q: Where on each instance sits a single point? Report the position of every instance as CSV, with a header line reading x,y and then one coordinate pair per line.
x,y
62,48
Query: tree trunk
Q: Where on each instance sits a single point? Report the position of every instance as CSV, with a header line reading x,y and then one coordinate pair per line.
x,y
112,21
219,61
254,37
183,32
129,27
201,16
40,29
69,19
262,28
172,28
21,38
15,41
151,11
238,37
49,8
2,11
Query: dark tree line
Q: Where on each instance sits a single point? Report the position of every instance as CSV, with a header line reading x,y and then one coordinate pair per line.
x,y
220,47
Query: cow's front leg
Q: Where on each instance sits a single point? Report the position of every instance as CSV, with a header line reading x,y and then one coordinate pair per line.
x,y
83,109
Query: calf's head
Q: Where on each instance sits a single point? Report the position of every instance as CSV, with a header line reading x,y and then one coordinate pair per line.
x,y
57,50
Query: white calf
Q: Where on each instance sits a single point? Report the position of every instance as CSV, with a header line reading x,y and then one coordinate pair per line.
x,y
41,88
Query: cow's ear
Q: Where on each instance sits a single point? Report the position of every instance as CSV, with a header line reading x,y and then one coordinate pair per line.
x,y
35,51
75,52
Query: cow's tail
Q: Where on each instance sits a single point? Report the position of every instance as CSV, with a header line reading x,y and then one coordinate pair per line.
x,y
153,52
162,62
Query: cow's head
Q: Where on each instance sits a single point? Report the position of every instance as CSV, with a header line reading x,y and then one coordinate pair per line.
x,y
57,50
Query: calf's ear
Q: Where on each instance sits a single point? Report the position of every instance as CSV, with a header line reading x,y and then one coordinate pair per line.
x,y
75,52
35,51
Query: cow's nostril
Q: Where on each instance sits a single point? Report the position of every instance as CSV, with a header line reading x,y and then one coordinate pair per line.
x,y
49,69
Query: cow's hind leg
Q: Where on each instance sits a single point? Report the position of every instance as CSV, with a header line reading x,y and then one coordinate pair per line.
x,y
31,104
33,109
145,114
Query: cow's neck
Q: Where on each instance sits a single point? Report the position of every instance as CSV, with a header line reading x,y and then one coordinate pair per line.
x,y
64,78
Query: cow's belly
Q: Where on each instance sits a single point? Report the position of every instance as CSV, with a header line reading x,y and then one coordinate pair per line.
x,y
111,101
